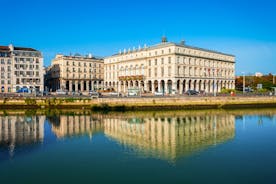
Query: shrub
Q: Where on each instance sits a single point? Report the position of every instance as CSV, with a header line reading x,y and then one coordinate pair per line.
x,y
30,101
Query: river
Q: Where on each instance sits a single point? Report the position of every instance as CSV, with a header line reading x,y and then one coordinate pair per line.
x,y
218,146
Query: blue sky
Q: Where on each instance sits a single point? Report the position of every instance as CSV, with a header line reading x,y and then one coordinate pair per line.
x,y
245,28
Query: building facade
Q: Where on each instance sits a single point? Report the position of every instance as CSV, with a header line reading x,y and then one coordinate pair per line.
x,y
170,68
20,67
74,73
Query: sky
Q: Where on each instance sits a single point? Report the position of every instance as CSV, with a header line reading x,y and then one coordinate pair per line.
x,y
244,28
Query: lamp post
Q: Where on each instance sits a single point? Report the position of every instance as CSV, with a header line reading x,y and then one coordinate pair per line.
x,y
214,86
243,83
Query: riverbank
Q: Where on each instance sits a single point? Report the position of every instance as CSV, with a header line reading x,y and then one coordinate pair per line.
x,y
150,103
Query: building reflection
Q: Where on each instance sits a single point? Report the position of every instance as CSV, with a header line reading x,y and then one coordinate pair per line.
x,y
68,126
161,137
20,130
171,137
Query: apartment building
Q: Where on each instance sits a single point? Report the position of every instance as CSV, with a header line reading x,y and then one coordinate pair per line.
x,y
75,73
20,67
170,68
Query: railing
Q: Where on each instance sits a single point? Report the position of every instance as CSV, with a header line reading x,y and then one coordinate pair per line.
x,y
129,78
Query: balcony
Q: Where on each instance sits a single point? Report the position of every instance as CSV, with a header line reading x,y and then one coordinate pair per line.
x,y
130,78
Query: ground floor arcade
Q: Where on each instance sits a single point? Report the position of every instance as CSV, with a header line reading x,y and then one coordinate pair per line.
x,y
172,86
75,85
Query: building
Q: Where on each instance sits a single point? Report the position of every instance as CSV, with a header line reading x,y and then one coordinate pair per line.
x,y
170,68
74,73
20,67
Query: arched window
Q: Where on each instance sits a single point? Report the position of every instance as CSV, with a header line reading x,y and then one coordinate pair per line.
x,y
137,72
131,70
126,72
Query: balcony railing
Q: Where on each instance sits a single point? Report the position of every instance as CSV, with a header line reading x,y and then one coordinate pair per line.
x,y
129,78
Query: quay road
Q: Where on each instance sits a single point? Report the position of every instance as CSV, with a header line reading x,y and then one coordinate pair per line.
x,y
144,95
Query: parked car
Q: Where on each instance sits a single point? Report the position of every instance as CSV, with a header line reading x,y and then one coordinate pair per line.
x,y
115,94
192,92
61,92
45,93
95,94
23,90
76,93
158,93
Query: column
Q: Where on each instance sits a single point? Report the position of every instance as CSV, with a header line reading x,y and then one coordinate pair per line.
x,y
192,85
165,87
70,86
145,86
180,87
87,86
159,86
211,86
81,86
118,86
124,86
197,86
97,85
152,87
219,86
92,85
187,85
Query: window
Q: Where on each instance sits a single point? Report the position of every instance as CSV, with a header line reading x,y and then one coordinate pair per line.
x,y
149,62
169,60
155,72
155,61
169,71
162,61
162,72
149,72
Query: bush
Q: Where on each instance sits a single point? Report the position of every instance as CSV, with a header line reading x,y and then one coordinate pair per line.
x,y
30,101
227,91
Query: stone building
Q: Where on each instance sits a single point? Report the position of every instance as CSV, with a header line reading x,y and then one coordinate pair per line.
x,y
170,68
20,67
74,73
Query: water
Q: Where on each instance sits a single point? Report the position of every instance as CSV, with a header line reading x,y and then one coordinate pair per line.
x,y
140,147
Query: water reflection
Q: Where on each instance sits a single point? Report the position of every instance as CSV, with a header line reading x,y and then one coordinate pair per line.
x,y
161,136
168,136
20,130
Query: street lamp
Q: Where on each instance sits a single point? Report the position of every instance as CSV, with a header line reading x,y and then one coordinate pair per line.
x,y
214,86
243,83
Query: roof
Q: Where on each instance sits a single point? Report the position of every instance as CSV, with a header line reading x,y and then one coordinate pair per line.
x,y
6,48
24,49
165,44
